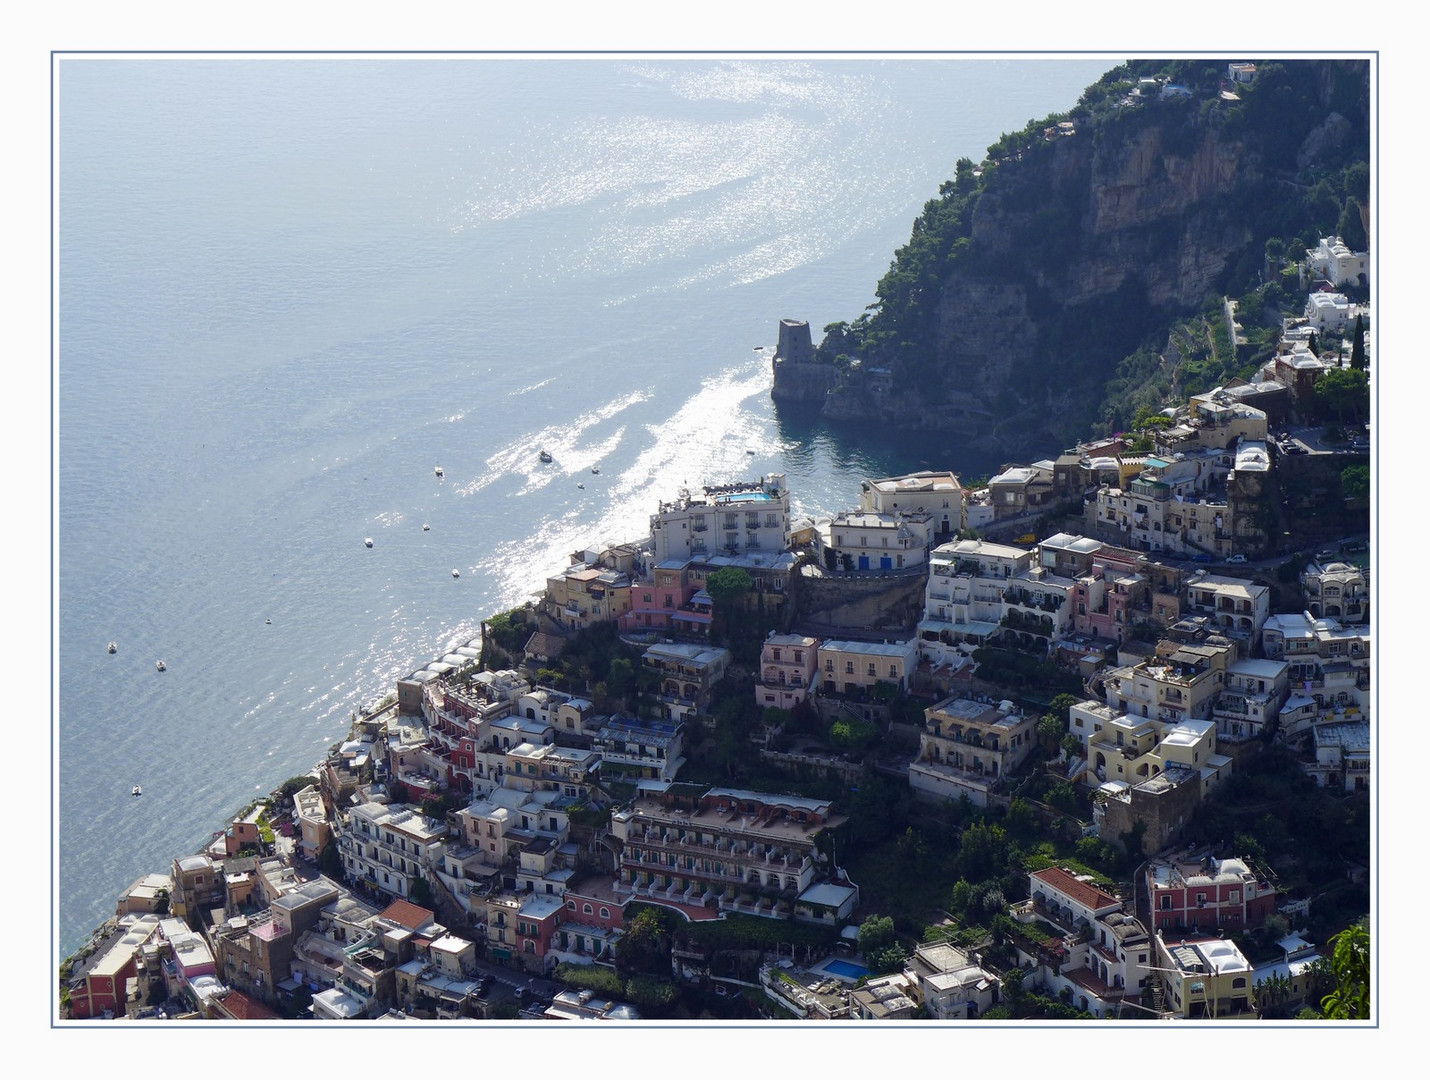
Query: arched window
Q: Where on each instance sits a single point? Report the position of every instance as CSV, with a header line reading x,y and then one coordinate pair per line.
x,y
586,909
605,913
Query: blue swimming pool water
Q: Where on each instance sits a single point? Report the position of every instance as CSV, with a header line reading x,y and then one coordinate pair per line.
x,y
846,969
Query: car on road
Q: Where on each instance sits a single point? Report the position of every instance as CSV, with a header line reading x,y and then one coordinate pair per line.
x,y
1238,557
1202,558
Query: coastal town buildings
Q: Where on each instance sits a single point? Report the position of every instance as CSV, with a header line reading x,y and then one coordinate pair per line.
x,y
865,540
937,494
1104,957
854,668
688,673
963,602
585,594
486,795
789,669
1191,893
1336,590
730,519
1335,264
1204,977
669,603
388,848
723,849
967,746
641,749
949,983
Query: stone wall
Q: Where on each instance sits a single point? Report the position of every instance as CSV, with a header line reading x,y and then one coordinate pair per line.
x,y
859,605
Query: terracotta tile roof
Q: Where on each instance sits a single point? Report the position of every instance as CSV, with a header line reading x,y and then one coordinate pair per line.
x,y
408,915
1081,892
242,1007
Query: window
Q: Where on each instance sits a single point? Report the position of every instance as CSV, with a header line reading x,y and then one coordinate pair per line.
x,y
570,905
605,913
849,667
586,909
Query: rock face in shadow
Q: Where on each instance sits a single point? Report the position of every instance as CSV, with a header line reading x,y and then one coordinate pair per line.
x,y
1070,253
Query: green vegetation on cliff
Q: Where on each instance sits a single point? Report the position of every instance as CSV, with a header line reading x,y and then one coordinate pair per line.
x,y
1041,286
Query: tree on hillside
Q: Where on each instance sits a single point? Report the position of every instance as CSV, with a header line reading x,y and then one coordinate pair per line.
x,y
1355,481
1358,345
645,945
1344,394
727,587
875,933
1350,968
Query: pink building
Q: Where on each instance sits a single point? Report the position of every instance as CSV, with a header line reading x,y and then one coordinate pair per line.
x,y
788,663
669,602
1207,893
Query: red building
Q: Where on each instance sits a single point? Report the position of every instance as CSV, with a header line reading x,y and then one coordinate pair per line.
x,y
97,985
1207,893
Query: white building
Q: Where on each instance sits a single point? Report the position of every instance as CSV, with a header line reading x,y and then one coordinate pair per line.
x,y
1342,756
864,540
1328,311
1239,606
1331,260
1253,696
963,601
388,848
938,494
729,519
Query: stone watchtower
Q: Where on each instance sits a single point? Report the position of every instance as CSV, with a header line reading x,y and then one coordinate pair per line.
x,y
798,379
795,345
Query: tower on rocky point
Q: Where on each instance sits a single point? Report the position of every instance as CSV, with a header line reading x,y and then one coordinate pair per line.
x,y
795,344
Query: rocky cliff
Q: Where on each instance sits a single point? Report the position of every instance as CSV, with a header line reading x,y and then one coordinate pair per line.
x,y
1031,277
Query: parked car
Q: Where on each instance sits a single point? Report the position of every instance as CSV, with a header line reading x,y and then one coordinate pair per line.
x,y
1238,557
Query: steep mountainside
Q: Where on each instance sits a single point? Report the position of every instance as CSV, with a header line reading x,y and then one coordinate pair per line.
x,y
1081,238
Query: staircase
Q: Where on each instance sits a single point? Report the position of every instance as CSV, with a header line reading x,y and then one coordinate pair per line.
x,y
1159,997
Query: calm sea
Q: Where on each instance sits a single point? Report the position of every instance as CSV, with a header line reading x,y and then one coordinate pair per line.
x,y
291,288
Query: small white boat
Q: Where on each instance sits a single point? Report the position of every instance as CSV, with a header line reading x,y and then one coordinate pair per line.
x,y
456,572
544,456
595,470
367,540
426,527
161,666
137,790
439,470
580,485
113,648
267,622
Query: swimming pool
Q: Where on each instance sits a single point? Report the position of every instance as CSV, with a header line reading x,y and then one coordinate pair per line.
x,y
846,969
